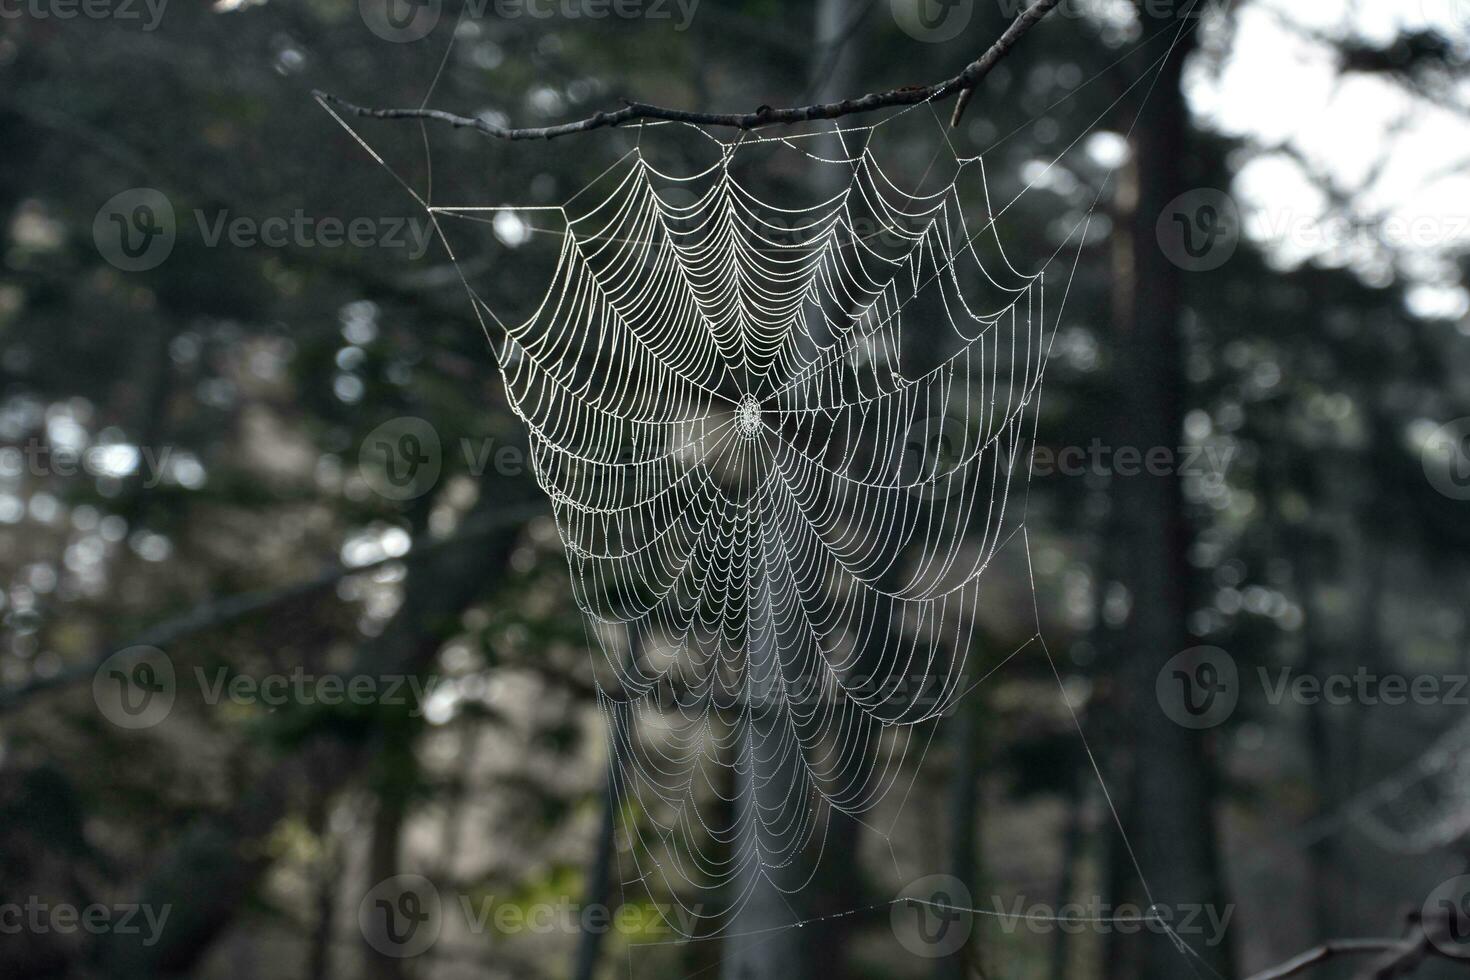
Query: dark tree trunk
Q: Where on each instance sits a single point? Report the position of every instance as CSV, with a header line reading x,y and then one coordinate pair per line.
x,y
964,813
600,871
1174,829
383,854
1073,843
319,955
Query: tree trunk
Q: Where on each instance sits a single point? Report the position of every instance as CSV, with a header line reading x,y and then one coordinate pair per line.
x,y
396,776
1174,833
600,872
964,811
319,955
1072,852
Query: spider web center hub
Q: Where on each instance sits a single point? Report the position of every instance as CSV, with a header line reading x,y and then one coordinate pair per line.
x,y
748,416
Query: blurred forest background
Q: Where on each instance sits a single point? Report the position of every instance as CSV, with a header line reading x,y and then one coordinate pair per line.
x,y
192,414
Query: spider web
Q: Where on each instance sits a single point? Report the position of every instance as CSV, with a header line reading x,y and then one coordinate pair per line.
x,y
781,448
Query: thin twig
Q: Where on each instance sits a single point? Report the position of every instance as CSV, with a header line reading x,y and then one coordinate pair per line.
x,y
1397,957
962,83
1019,26
1326,951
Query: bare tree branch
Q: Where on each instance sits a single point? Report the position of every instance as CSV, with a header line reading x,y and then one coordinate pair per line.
x,y
222,612
1397,957
961,84
1023,23
1324,952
